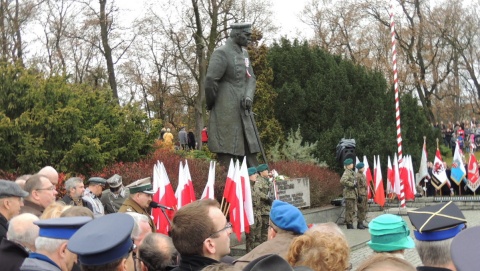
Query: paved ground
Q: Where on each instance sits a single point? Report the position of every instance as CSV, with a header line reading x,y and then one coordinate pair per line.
x,y
357,240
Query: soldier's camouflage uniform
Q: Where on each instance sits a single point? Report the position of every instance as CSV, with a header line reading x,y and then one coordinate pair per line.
x,y
362,192
349,194
262,202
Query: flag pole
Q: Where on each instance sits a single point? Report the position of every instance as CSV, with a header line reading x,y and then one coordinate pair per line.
x,y
397,103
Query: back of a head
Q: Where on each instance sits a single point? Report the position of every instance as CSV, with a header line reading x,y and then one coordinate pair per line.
x,y
22,230
50,173
221,267
138,218
328,227
191,226
54,210
157,252
77,211
319,251
385,262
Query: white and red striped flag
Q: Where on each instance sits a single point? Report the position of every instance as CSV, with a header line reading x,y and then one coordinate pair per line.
x,y
208,192
368,176
247,196
379,190
390,177
473,177
165,196
235,198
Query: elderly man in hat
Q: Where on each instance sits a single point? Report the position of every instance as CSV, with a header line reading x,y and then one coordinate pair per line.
x,y
262,198
11,200
349,191
435,228
92,195
141,193
390,234
104,244
201,234
114,197
51,244
20,241
229,89
41,193
362,195
286,222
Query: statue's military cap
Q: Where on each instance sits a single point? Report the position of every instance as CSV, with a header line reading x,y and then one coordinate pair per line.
x,y
241,25
103,240
437,222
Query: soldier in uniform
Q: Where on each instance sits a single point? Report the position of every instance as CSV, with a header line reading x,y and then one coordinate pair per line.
x,y
141,193
92,194
362,195
250,237
114,197
349,191
262,201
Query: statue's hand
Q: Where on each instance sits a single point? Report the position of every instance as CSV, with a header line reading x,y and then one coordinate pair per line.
x,y
247,103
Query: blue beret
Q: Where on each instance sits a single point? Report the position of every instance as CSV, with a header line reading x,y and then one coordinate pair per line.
x,y
360,165
348,161
251,171
287,217
61,228
103,240
262,167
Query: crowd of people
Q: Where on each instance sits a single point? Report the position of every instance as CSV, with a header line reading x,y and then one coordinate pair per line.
x,y
186,140
91,229
466,132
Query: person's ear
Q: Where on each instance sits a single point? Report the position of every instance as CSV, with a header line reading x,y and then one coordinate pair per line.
x,y
62,250
123,266
209,246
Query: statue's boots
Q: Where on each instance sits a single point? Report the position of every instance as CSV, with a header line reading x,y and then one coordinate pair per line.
x,y
349,226
360,226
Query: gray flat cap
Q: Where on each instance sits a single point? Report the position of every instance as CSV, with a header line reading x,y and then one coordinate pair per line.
x,y
11,189
241,25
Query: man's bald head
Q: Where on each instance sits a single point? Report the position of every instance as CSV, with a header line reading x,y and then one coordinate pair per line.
x,y
50,173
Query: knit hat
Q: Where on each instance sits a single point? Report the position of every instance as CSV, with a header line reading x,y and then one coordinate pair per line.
x,y
389,233
348,161
251,171
287,217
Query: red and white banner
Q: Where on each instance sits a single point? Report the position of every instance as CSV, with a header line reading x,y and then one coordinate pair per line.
x,y
473,177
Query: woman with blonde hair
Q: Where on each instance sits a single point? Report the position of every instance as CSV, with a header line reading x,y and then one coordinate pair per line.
x,y
320,251
54,210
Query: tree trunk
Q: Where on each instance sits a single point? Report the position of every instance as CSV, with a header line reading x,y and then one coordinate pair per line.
x,y
107,51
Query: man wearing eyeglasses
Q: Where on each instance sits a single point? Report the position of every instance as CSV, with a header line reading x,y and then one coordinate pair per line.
x,y
201,234
11,200
92,195
41,194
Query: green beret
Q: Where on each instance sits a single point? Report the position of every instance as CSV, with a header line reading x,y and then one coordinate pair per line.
x,y
252,170
262,167
348,161
360,165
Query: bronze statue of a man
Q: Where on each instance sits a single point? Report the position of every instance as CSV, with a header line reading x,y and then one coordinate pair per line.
x,y
229,89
